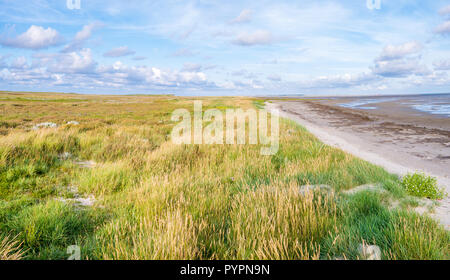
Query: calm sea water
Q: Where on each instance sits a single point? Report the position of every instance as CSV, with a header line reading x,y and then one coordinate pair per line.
x,y
436,104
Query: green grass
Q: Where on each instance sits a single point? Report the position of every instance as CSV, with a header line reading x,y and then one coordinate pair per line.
x,y
47,228
259,104
157,200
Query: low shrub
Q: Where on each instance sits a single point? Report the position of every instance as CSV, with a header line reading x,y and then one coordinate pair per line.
x,y
420,185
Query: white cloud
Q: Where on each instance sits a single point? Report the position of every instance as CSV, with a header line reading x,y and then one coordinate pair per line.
x,y
192,77
400,61
244,74
139,58
244,16
274,78
183,52
5,74
442,64
243,85
342,81
74,62
118,52
122,74
24,76
270,61
36,37
192,67
84,34
399,68
438,78
444,28
259,37
19,63
3,61
395,52
445,10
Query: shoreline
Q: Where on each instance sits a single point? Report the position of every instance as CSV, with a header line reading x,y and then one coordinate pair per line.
x,y
359,134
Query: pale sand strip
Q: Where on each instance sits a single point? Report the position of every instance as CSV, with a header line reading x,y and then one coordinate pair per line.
x,y
346,142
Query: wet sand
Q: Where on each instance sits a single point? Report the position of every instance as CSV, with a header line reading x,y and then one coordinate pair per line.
x,y
394,136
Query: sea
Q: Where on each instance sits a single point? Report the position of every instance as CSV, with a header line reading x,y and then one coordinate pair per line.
x,y
435,104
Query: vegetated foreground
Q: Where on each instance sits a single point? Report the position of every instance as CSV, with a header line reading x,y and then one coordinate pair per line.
x,y
113,183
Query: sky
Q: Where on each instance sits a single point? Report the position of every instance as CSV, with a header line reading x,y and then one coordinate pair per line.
x,y
312,47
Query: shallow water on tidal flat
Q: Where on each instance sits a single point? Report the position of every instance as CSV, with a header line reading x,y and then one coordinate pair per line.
x,y
435,104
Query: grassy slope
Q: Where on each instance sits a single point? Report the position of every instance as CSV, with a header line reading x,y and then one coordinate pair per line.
x,y
156,200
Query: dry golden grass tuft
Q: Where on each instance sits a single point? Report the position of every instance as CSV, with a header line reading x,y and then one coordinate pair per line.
x,y
10,249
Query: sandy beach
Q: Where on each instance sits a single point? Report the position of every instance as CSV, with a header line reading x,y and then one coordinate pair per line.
x,y
393,136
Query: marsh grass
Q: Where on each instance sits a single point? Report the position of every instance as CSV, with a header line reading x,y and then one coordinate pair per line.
x,y
157,200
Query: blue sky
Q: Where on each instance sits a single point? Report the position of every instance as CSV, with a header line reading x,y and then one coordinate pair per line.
x,y
226,47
